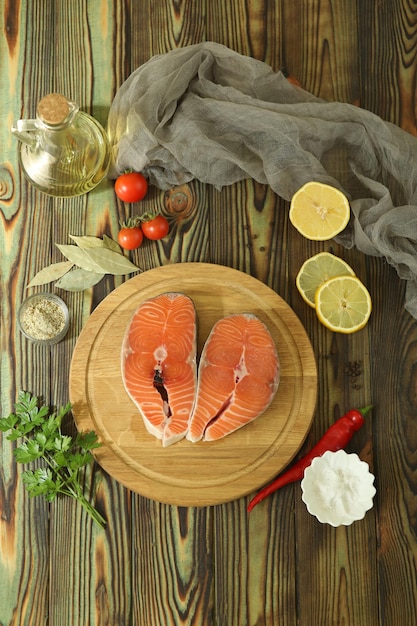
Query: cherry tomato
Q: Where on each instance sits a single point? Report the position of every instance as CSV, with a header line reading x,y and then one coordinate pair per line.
x,y
131,187
156,228
130,237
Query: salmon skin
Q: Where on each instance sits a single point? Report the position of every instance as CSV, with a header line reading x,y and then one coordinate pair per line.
x,y
238,376
159,367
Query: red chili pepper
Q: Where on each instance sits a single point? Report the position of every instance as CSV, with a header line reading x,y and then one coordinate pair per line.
x,y
335,438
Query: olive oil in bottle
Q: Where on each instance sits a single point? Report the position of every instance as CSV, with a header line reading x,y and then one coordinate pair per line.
x,y
64,152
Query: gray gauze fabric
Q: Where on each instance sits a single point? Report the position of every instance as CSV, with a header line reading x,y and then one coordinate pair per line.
x,y
209,113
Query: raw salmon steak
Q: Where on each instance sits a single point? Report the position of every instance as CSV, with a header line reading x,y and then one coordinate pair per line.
x,y
159,367
238,376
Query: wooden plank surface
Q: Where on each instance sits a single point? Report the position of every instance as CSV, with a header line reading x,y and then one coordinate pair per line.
x,y
161,564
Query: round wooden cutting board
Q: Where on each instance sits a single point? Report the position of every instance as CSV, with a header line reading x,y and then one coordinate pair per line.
x,y
185,473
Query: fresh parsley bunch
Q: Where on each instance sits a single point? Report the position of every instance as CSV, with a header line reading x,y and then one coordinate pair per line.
x,y
65,458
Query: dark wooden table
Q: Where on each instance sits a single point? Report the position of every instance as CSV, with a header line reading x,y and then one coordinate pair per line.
x,y
164,565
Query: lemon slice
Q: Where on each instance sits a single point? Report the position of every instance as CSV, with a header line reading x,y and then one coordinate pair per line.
x,y
319,211
343,304
316,270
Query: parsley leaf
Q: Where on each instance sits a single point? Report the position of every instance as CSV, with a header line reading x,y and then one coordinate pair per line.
x,y
64,457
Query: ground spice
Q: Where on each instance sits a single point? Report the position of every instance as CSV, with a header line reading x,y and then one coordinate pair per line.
x,y
43,320
354,370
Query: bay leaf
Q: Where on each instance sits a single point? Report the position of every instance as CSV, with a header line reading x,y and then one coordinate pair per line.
x,y
79,280
111,262
50,273
111,244
87,241
80,257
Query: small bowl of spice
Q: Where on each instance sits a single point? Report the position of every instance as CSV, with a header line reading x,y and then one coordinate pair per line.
x,y
43,318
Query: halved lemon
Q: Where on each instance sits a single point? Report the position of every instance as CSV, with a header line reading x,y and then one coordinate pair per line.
x,y
343,304
316,270
319,211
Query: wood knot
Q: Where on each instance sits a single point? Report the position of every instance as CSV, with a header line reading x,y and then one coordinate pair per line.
x,y
180,202
6,184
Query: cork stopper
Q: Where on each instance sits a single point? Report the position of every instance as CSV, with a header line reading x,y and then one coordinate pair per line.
x,y
53,109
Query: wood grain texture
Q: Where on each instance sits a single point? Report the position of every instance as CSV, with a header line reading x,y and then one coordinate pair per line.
x,y
161,564
175,568
389,88
320,49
